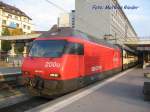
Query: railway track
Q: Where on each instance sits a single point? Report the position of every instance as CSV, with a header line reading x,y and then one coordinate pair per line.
x,y
9,84
10,80
32,102
15,98
12,90
26,105
38,101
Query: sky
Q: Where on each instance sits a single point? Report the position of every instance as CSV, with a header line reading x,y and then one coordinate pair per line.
x,y
140,18
44,15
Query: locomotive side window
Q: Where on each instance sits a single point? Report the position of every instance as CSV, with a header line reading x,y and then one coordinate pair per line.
x,y
75,48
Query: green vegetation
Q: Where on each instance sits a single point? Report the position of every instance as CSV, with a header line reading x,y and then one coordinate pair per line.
x,y
16,31
6,45
19,48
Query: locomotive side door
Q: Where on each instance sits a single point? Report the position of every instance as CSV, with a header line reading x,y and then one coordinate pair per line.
x,y
77,50
80,57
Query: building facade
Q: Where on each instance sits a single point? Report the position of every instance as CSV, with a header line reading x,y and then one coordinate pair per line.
x,y
13,18
67,19
103,19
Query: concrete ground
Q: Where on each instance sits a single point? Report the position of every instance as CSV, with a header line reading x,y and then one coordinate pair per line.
x,y
124,94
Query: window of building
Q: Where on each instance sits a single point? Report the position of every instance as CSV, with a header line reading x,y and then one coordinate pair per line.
x,y
116,11
9,15
17,25
18,12
4,22
24,26
3,29
13,10
73,23
3,13
25,19
28,27
3,7
16,17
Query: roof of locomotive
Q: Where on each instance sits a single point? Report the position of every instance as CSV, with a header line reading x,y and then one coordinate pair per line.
x,y
70,32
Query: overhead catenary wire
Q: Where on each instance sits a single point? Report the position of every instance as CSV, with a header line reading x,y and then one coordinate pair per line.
x,y
57,6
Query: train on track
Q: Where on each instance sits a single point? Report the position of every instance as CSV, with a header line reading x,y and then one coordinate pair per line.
x,y
66,60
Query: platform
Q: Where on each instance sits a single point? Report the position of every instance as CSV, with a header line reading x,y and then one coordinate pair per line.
x,y
9,74
122,93
9,70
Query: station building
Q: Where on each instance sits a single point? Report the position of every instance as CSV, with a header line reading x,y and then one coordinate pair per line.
x,y
104,19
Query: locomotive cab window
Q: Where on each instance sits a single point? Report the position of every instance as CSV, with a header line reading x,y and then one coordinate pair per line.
x,y
48,48
75,48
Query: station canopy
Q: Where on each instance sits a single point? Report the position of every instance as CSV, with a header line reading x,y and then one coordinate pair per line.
x,y
20,37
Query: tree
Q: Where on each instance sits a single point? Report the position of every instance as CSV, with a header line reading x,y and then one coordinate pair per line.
x,y
6,32
17,31
6,45
19,48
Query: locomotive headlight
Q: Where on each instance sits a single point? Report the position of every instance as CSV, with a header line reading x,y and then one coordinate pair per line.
x,y
26,73
54,75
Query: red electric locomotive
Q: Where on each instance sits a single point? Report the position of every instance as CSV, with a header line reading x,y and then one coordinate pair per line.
x,y
63,63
